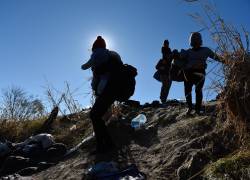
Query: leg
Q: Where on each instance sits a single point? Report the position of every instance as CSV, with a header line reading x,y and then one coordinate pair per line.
x,y
166,84
95,82
188,84
162,95
198,91
102,103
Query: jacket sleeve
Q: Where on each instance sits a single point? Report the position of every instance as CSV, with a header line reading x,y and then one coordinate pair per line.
x,y
87,65
213,55
90,63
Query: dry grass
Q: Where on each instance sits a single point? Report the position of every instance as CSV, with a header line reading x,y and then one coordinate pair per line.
x,y
17,131
235,166
72,128
64,99
66,129
235,98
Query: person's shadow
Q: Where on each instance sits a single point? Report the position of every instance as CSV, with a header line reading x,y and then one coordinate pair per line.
x,y
123,135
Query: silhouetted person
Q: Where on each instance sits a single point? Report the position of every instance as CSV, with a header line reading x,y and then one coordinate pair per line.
x,y
106,66
163,66
195,68
99,56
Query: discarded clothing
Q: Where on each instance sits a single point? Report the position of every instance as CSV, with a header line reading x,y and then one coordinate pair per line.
x,y
109,171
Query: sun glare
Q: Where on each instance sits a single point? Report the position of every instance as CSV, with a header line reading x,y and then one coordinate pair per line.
x,y
108,40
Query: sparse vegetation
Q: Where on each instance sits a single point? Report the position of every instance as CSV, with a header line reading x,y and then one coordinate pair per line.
x,y
17,105
64,99
19,130
71,129
234,166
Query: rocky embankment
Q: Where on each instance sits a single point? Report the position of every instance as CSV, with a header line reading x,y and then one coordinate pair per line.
x,y
171,145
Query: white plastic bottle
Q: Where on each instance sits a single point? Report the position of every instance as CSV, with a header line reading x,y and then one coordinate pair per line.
x,y
138,121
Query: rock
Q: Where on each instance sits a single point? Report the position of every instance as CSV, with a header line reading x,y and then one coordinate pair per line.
x,y
15,163
132,103
193,164
27,171
155,104
146,105
16,177
57,150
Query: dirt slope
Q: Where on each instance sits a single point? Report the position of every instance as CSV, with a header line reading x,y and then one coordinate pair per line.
x,y
171,146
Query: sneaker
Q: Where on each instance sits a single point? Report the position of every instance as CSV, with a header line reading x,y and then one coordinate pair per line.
x,y
199,113
189,111
163,101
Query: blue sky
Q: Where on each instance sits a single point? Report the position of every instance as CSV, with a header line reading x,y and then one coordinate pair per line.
x,y
45,41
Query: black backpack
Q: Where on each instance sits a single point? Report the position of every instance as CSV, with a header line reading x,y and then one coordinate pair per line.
x,y
126,82
176,73
122,77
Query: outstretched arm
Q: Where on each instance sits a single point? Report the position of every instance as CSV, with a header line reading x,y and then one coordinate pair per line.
x,y
214,56
87,65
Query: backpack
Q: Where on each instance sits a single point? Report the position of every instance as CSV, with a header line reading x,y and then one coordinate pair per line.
x,y
122,76
177,68
157,76
126,82
176,73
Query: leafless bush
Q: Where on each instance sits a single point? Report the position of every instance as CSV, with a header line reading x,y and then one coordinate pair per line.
x,y
63,99
17,105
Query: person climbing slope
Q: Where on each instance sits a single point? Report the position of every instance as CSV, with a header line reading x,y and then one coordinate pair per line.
x,y
195,70
112,80
163,66
99,56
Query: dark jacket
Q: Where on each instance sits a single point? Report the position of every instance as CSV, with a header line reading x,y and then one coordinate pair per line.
x,y
196,58
166,53
163,66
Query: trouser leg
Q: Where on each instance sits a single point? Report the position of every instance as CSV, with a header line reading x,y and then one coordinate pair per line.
x,y
98,110
166,84
95,82
188,93
199,94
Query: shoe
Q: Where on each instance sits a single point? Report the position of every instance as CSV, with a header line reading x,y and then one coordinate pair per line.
x,y
199,113
189,111
163,101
